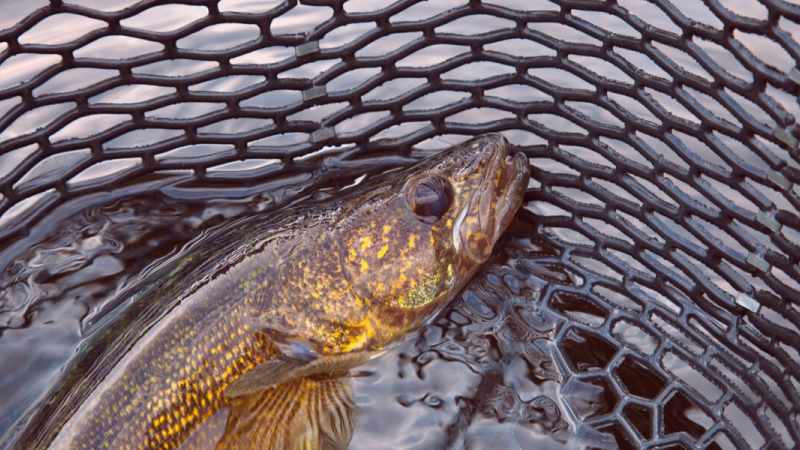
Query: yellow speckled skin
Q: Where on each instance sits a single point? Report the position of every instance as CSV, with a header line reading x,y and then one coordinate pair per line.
x,y
349,275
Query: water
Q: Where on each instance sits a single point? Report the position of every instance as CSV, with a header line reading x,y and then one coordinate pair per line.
x,y
485,368
536,353
52,290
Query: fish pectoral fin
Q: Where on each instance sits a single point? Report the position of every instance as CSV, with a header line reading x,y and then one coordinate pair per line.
x,y
263,376
308,412
281,369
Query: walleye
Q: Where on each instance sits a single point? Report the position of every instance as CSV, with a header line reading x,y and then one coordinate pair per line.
x,y
239,346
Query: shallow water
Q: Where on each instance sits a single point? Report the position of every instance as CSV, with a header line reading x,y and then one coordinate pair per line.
x,y
522,359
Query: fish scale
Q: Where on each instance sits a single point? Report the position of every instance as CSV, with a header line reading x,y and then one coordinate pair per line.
x,y
160,401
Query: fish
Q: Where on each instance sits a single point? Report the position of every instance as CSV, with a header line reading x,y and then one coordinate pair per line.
x,y
248,340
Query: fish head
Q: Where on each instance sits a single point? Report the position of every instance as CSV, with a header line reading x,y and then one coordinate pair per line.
x,y
414,239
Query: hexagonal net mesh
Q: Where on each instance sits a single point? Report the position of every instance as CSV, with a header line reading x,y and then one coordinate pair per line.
x,y
661,137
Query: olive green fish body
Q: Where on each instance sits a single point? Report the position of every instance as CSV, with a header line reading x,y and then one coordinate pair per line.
x,y
174,377
252,304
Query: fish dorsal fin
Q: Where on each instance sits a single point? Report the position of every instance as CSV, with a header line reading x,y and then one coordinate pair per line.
x,y
283,369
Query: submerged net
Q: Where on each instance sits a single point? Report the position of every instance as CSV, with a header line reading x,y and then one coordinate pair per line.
x,y
661,136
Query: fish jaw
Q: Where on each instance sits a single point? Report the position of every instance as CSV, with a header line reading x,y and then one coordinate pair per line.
x,y
494,203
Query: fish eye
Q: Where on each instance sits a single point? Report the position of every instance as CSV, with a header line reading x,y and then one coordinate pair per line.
x,y
430,196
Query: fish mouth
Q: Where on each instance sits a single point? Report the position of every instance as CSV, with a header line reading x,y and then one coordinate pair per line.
x,y
515,173
500,193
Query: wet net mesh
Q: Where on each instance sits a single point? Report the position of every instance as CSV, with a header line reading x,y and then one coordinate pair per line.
x,y
661,137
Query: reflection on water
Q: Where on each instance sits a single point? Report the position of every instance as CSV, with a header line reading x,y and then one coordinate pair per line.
x,y
486,374
60,29
165,18
16,10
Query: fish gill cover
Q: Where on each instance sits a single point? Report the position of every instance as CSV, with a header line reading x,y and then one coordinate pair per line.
x,y
649,296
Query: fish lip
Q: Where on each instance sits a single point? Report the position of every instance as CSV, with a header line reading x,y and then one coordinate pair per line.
x,y
511,191
501,191
503,187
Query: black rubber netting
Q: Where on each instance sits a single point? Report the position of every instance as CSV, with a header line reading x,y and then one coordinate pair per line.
x,y
661,137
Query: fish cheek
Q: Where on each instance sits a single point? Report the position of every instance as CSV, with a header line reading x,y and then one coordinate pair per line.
x,y
394,269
